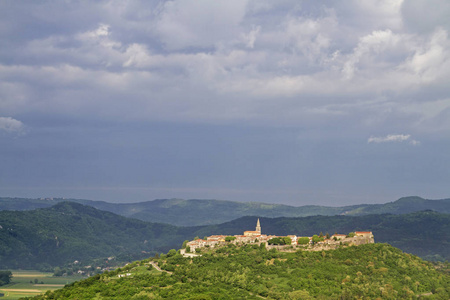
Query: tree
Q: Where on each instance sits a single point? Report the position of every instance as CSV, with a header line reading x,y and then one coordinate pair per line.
x,y
303,240
315,238
58,271
351,234
184,244
5,277
285,240
230,238
274,241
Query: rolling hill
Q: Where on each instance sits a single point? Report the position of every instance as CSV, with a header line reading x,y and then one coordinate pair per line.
x,y
372,271
71,231
206,212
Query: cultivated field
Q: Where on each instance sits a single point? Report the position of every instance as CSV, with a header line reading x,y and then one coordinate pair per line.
x,y
31,283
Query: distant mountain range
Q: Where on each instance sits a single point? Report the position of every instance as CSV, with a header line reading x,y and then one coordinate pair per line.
x,y
71,231
196,212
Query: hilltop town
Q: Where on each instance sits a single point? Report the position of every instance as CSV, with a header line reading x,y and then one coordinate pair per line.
x,y
286,243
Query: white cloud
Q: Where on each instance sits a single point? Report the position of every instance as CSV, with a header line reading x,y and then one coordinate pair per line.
x,y
384,13
309,37
103,30
393,138
10,125
369,46
431,60
250,38
137,56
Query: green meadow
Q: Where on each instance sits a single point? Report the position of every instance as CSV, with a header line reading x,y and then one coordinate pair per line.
x,y
31,283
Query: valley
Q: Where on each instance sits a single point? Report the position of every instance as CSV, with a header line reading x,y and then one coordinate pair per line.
x,y
30,283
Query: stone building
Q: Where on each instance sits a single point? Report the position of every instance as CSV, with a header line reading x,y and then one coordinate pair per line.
x,y
254,233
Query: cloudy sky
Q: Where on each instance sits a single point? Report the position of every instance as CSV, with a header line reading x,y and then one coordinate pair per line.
x,y
296,102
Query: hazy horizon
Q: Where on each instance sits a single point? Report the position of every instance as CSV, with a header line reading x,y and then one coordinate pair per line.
x,y
187,199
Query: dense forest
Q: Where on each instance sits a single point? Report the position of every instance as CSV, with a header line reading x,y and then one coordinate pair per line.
x,y
251,272
50,237
196,212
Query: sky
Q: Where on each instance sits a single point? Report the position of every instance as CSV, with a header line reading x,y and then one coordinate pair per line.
x,y
294,102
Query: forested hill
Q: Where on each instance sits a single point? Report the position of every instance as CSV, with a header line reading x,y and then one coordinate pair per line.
x,y
205,212
372,271
70,231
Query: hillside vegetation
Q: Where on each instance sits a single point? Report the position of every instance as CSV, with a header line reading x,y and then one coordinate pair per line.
x,y
251,272
50,237
66,232
206,212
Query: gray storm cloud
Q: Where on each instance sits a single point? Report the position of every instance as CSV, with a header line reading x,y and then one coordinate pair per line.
x,y
318,78
229,60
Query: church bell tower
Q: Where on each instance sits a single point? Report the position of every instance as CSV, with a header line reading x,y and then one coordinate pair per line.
x,y
258,226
